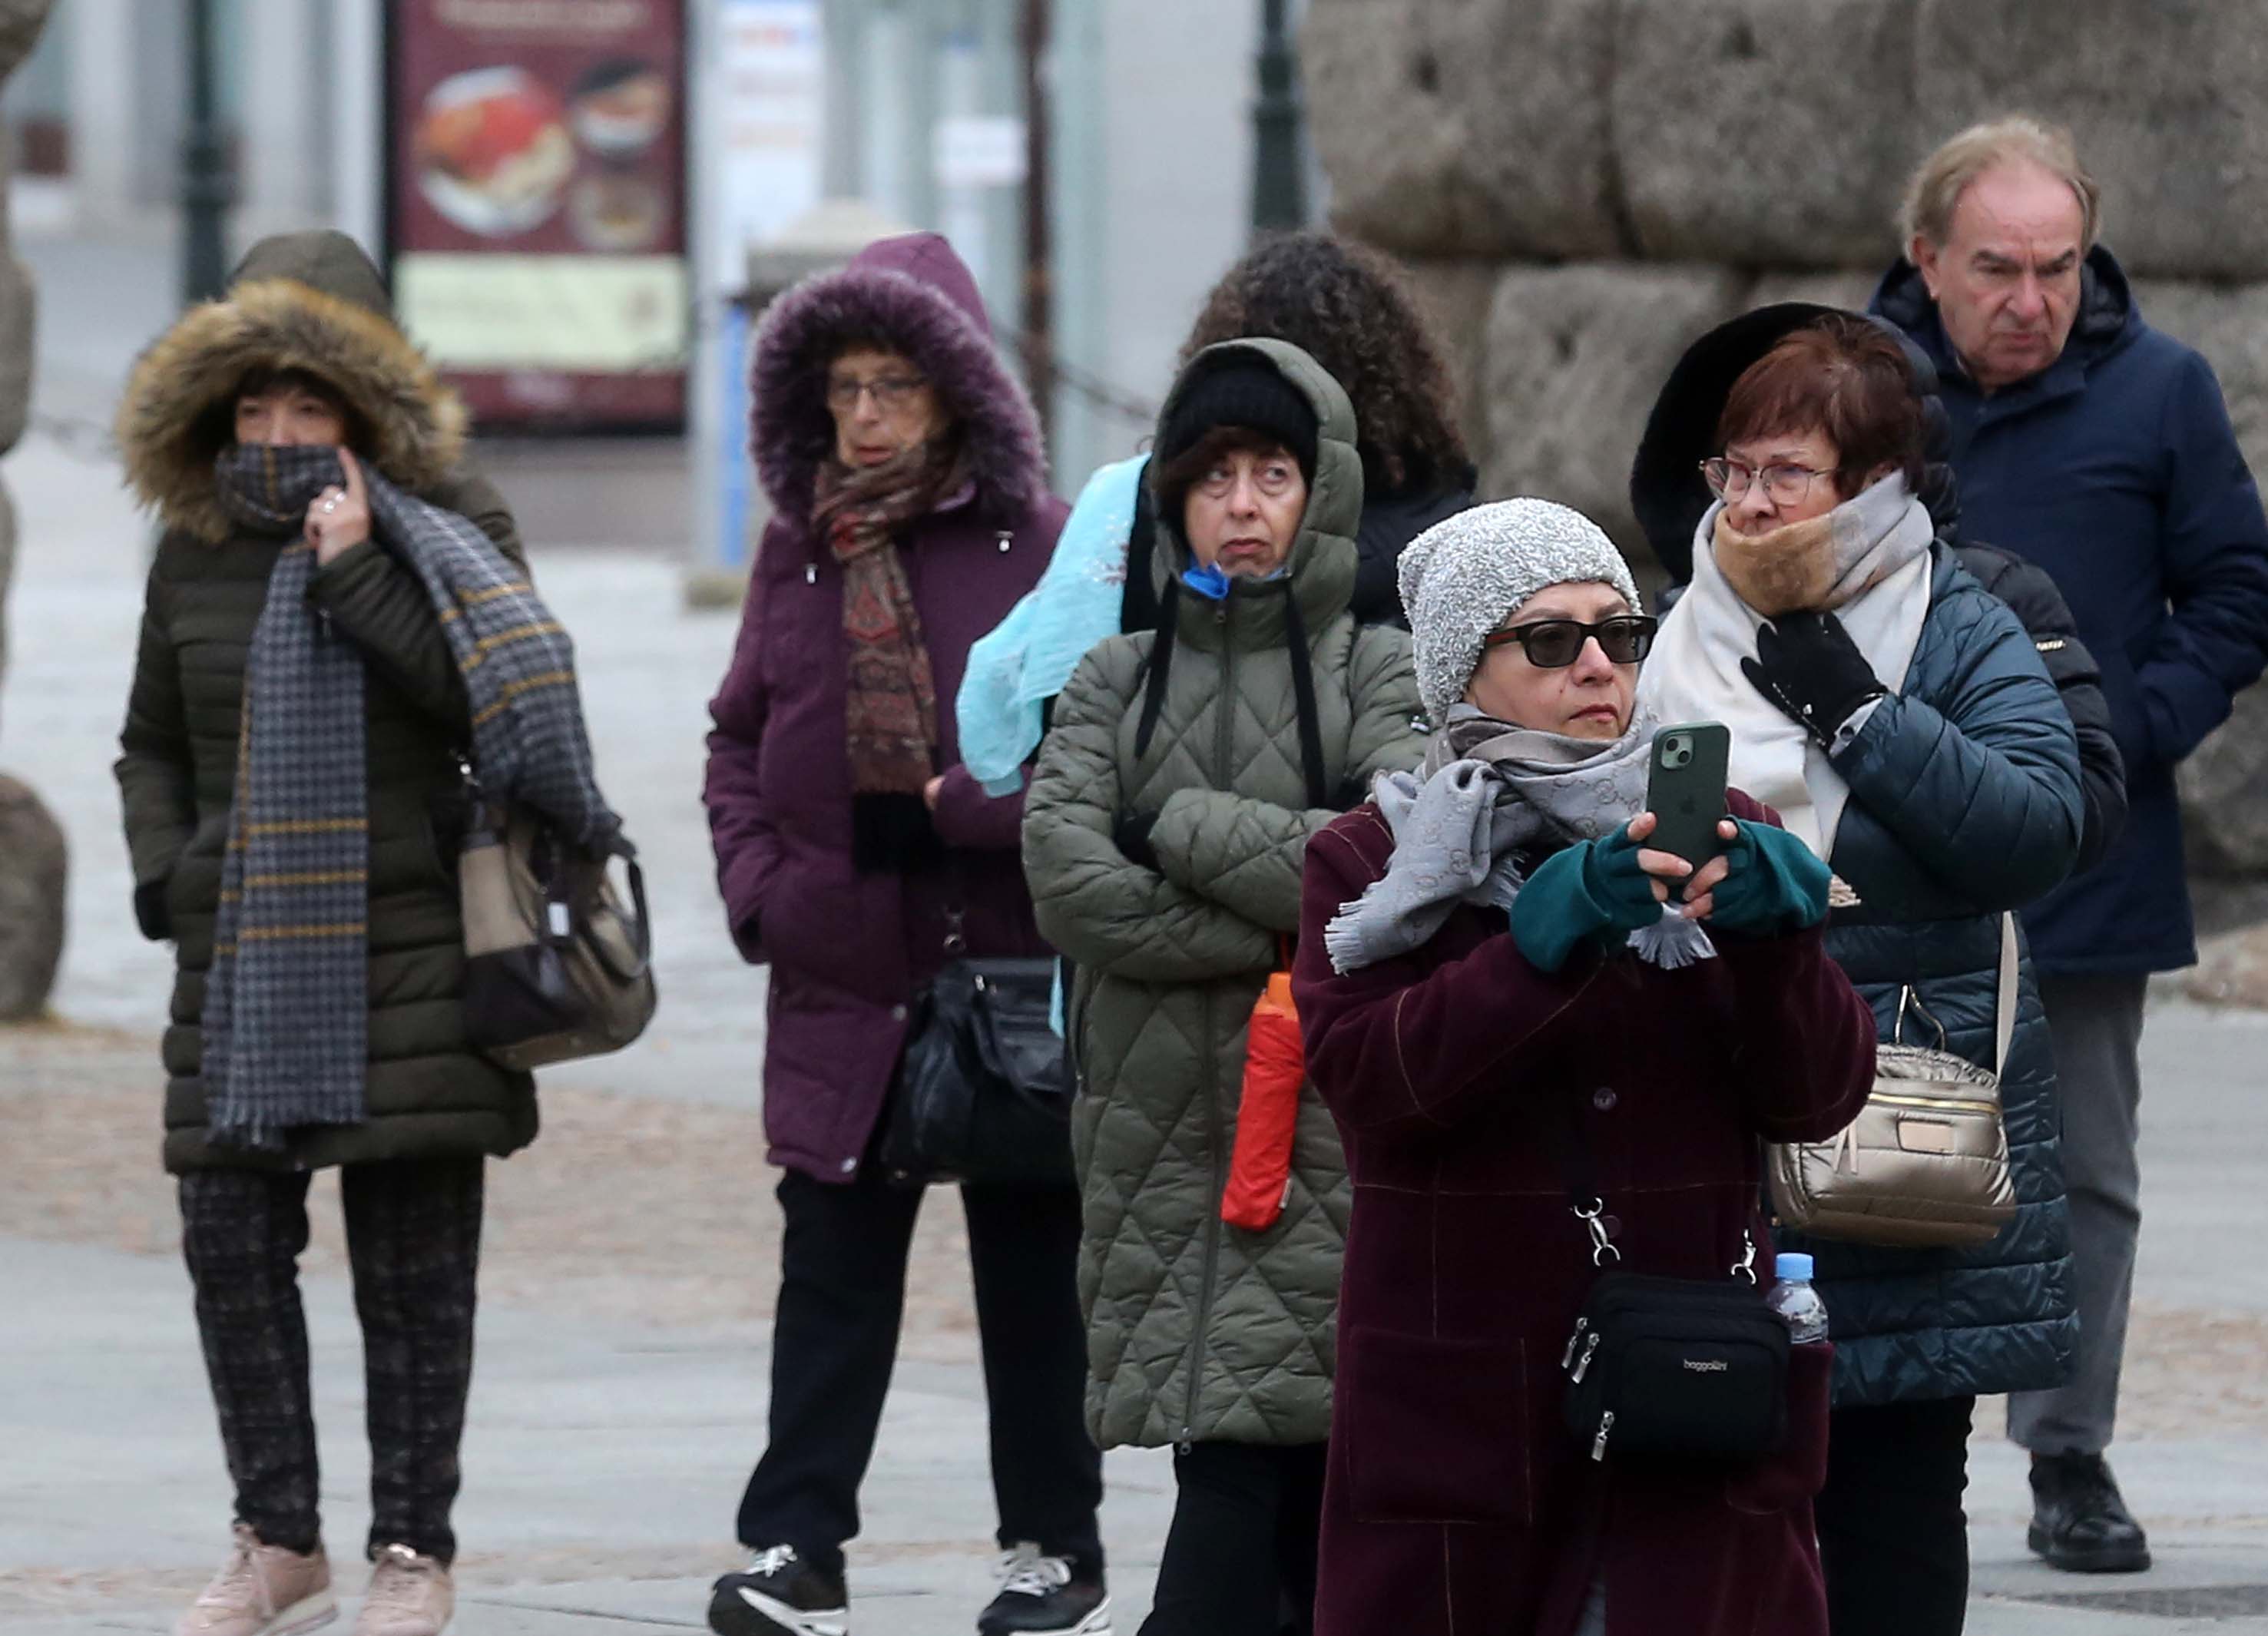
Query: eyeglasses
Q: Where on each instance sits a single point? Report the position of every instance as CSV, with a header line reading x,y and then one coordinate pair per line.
x,y
891,393
1785,484
1556,643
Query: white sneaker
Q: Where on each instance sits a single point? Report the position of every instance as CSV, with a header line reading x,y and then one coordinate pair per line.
x,y
408,1595
263,1591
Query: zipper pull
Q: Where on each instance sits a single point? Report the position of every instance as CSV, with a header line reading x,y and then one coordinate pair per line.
x,y
1005,539
811,573
1583,1367
1598,1443
1567,1358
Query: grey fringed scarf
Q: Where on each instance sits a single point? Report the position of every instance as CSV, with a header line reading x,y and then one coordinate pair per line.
x,y
285,1008
1486,790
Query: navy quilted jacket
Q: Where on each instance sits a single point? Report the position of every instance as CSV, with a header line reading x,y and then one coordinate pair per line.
x,y
1964,802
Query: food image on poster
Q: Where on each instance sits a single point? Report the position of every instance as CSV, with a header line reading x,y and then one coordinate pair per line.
x,y
493,152
621,106
616,212
536,206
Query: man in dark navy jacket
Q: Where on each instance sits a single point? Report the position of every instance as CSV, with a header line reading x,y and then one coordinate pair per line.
x,y
2099,449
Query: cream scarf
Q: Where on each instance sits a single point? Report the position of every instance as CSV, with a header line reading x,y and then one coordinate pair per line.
x,y
1867,561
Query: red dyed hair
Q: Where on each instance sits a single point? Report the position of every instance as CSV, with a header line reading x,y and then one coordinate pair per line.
x,y
1841,376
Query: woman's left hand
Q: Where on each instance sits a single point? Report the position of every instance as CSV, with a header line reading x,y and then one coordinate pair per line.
x,y
1700,892
338,519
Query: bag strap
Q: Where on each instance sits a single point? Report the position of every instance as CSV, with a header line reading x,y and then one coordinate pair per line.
x,y
1589,1205
2004,1004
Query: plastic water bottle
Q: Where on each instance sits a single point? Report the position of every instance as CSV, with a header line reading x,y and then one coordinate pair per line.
x,y
1795,1300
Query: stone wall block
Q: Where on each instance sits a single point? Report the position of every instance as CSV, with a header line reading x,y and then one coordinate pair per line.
x,y
1765,133
1464,128
33,870
1575,357
1454,297
2164,99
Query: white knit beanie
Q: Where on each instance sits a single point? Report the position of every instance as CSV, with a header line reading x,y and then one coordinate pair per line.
x,y
1464,574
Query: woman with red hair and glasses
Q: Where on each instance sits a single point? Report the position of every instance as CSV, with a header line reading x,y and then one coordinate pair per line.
x,y
1900,719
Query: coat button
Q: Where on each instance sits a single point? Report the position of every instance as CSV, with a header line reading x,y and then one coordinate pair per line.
x,y
848,1165
897,1014
1604,1099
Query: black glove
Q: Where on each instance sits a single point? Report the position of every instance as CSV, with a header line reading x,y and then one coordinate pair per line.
x,y
1131,836
1807,665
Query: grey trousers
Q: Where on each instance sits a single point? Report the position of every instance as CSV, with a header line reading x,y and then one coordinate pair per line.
x,y
2096,1025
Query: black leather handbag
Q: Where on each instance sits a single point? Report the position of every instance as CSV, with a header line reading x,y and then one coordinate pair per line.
x,y
1668,1368
982,1093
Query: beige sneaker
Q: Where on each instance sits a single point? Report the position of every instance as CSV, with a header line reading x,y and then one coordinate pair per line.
x,y
263,1591
408,1595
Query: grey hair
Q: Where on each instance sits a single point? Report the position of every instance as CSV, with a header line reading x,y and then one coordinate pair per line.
x,y
1935,189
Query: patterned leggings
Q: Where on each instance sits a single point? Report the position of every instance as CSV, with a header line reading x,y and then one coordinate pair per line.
x,y
414,1236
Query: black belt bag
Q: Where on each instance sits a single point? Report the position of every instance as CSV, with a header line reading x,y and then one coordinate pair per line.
x,y
1677,1369
1671,1369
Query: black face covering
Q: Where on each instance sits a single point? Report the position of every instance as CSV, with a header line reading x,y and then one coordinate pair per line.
x,y
268,487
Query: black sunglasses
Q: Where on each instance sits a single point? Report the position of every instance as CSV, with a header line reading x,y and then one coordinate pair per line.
x,y
1555,644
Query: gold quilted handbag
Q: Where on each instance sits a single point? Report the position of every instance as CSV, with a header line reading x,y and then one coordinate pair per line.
x,y
1926,1163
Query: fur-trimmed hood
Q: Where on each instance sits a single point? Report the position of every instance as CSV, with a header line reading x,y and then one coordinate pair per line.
x,y
915,294
311,301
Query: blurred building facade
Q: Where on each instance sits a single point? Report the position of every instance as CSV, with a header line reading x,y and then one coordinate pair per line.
x,y
1149,160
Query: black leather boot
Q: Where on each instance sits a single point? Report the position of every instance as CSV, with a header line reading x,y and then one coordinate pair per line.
x,y
2079,1523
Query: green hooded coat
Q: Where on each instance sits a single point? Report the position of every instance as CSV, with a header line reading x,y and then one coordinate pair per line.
x,y
1197,1330
314,302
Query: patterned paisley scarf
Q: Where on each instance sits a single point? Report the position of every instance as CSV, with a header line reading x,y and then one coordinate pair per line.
x,y
890,714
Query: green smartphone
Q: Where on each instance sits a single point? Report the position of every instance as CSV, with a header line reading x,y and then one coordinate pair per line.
x,y
1685,789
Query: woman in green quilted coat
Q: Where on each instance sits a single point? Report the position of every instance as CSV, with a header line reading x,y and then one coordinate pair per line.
x,y
1164,835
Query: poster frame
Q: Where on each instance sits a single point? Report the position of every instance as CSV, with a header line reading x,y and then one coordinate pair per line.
x,y
535,426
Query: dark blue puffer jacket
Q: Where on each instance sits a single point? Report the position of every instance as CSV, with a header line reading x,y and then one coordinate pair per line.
x,y
2116,469
1964,801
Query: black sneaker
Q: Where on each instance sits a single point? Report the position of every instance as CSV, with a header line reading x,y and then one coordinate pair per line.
x,y
2079,1522
1044,1596
779,1594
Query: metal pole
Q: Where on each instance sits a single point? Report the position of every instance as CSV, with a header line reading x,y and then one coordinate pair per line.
x,y
1039,273
1278,185
208,189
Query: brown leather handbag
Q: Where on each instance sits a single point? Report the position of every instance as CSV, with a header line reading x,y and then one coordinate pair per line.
x,y
1926,1163
556,966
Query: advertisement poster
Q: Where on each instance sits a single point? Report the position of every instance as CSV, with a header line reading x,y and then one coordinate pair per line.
x,y
536,203
773,87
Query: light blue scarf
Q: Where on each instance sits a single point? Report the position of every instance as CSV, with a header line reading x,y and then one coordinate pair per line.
x,y
1030,655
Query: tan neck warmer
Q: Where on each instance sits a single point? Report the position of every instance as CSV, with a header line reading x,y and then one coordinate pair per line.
x,y
1824,563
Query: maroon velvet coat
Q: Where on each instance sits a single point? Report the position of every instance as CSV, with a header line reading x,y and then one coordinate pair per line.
x,y
1457,1499
848,951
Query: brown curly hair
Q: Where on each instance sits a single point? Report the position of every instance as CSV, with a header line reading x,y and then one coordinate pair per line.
x,y
1346,306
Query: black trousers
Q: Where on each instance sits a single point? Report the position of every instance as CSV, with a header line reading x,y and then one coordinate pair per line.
x,y
835,1338
413,1238
1240,1559
1893,1538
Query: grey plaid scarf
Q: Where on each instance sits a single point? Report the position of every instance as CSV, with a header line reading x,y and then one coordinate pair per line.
x,y
286,1000
1485,791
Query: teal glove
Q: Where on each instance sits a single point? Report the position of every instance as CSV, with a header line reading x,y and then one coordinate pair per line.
x,y
1591,889
1777,884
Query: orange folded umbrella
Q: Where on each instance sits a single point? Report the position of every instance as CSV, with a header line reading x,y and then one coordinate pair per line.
x,y
1275,1070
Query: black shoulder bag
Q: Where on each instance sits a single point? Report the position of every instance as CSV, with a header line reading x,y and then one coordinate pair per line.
x,y
982,1093
1670,1369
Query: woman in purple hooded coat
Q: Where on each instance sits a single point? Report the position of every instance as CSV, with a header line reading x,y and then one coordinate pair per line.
x,y
910,509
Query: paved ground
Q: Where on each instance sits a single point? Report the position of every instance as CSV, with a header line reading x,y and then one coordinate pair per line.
x,y
630,1254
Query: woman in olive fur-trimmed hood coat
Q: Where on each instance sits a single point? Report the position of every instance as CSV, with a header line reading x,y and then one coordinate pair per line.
x,y
309,302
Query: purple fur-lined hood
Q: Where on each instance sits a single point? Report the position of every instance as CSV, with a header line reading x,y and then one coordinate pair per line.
x,y
913,292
